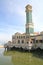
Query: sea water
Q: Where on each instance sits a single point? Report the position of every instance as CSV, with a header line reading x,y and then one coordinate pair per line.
x,y
19,58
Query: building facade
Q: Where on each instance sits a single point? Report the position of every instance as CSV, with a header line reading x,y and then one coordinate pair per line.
x,y
29,39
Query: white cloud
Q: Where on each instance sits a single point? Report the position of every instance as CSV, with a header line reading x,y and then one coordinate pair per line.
x,y
4,37
38,15
11,8
20,11
6,34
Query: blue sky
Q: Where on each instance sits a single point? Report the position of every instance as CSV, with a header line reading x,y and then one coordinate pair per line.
x,y
13,18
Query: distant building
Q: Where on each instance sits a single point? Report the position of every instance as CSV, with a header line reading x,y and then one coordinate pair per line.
x,y
29,39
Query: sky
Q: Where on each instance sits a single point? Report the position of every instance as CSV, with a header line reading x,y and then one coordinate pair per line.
x,y
13,17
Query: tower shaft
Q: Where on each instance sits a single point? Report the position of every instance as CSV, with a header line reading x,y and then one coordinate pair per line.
x,y
29,23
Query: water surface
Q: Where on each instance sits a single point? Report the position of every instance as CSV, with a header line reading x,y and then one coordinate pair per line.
x,y
20,58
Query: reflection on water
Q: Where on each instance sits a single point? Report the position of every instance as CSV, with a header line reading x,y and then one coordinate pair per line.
x,y
19,58
5,60
1,51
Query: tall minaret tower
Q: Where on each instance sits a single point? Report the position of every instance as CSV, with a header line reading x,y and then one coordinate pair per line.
x,y
29,23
